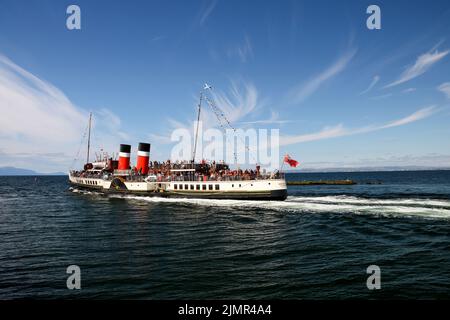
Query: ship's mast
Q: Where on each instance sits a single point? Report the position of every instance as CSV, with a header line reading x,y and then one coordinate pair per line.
x,y
89,137
196,131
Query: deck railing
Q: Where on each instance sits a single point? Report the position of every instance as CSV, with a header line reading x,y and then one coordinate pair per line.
x,y
188,176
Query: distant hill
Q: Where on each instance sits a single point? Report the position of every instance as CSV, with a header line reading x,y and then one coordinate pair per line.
x,y
12,171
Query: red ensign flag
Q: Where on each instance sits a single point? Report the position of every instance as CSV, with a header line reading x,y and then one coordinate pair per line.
x,y
290,161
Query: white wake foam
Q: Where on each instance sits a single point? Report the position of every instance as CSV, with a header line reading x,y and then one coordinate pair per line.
x,y
323,204
386,202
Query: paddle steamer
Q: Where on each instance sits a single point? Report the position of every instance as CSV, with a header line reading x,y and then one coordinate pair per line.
x,y
187,179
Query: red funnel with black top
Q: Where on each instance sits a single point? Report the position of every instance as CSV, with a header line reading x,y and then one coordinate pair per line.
x,y
143,157
124,157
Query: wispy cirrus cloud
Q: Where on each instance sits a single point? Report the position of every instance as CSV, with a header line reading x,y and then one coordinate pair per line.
x,y
371,85
445,89
39,119
340,131
241,100
409,90
244,51
416,116
274,119
158,38
302,91
33,109
423,63
383,96
107,121
236,104
206,10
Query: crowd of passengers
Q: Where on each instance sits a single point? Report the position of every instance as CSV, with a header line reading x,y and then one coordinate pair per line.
x,y
204,171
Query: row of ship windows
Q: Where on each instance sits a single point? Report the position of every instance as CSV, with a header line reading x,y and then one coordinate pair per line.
x,y
93,183
203,187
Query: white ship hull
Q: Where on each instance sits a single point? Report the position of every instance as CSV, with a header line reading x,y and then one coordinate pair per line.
x,y
267,189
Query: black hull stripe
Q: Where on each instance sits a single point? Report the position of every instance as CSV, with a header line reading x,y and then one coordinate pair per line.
x,y
231,195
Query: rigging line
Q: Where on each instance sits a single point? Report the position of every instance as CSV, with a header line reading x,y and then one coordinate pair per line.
x,y
81,144
221,117
219,113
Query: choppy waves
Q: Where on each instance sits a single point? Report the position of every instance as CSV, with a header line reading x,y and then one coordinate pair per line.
x,y
315,245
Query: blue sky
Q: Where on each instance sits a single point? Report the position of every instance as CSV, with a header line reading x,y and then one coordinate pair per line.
x,y
341,94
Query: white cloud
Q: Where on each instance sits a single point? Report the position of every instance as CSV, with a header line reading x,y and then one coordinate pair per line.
x,y
409,90
106,121
37,120
383,96
34,110
371,85
244,51
157,38
416,116
340,131
445,89
206,11
423,63
160,138
274,119
239,102
301,92
325,133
